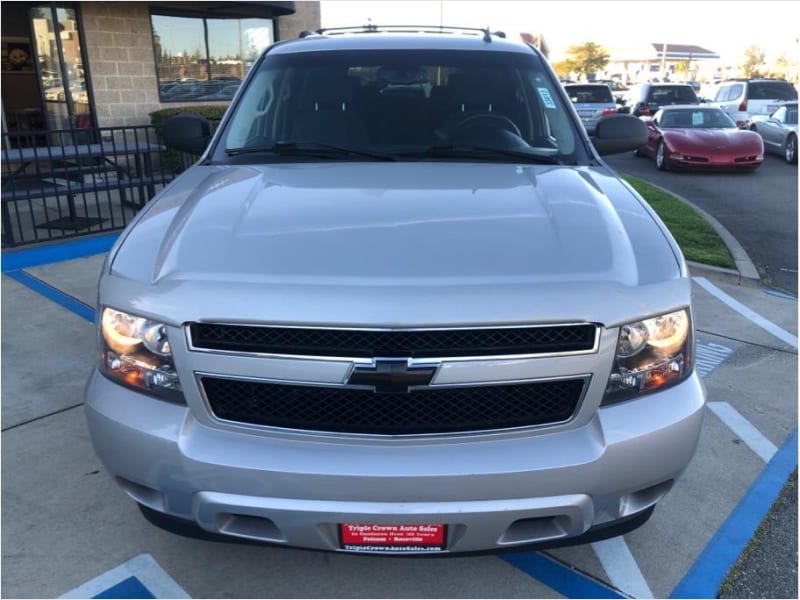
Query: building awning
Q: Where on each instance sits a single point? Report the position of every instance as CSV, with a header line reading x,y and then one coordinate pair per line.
x,y
683,51
224,10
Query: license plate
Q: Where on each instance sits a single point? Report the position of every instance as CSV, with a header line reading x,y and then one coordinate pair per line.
x,y
392,538
586,113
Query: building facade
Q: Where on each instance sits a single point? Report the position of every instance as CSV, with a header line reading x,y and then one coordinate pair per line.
x,y
107,64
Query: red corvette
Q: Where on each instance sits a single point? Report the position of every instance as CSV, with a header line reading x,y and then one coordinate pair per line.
x,y
700,137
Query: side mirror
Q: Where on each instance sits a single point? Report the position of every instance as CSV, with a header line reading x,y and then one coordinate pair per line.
x,y
187,132
619,133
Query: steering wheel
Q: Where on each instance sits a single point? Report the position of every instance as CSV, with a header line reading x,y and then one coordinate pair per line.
x,y
505,121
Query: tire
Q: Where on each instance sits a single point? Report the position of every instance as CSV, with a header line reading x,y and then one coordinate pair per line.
x,y
638,153
661,156
790,149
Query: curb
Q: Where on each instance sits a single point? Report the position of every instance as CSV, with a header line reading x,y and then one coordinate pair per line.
x,y
745,272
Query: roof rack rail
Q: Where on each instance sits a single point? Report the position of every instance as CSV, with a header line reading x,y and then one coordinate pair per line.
x,y
371,28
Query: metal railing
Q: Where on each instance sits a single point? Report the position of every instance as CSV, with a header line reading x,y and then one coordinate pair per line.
x,y
67,183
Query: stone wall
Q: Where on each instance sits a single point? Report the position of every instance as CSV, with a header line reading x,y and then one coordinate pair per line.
x,y
119,47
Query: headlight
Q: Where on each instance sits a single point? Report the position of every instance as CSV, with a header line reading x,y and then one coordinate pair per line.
x,y
136,353
651,354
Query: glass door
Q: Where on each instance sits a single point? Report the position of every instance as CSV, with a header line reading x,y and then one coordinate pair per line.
x,y
60,67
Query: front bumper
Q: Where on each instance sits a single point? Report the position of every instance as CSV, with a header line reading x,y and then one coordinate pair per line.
x,y
493,491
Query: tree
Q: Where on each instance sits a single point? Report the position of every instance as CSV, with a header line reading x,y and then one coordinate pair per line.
x,y
587,59
564,68
753,61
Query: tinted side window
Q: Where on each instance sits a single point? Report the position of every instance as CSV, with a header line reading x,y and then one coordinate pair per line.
x,y
736,91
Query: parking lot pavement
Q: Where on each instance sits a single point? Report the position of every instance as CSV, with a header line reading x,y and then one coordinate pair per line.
x,y
65,522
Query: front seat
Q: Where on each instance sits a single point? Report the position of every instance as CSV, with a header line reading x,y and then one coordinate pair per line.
x,y
328,116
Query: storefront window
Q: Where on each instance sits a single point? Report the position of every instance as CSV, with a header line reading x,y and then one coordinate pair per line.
x,y
60,62
200,59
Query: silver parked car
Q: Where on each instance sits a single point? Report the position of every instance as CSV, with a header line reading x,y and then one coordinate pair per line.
x,y
778,130
592,101
422,322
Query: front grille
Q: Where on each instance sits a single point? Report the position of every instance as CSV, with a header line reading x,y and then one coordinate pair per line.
x,y
399,343
423,411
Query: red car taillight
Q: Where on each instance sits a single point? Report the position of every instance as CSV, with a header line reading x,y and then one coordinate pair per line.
x,y
743,106
608,111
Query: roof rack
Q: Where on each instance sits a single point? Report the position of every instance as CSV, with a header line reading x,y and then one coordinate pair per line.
x,y
370,28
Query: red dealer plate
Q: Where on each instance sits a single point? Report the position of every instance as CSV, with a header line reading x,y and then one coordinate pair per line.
x,y
392,538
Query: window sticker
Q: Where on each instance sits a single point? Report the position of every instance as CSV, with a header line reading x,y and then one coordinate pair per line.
x,y
544,94
697,119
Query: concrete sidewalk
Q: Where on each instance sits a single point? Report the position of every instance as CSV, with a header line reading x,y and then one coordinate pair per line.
x,y
64,521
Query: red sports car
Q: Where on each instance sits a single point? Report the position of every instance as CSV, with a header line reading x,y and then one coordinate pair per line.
x,y
700,137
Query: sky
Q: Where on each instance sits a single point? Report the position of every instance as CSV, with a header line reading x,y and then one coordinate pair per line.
x,y
724,27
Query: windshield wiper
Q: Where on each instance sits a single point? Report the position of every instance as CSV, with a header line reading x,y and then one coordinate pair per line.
x,y
309,149
536,155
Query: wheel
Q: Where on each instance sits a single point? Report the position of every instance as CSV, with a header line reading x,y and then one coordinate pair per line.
x,y
790,149
505,121
661,156
638,153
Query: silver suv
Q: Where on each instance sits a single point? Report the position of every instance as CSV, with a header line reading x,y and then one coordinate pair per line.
x,y
592,101
399,305
745,98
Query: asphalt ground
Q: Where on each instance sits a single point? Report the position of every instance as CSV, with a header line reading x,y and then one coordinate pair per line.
x,y
759,209
68,529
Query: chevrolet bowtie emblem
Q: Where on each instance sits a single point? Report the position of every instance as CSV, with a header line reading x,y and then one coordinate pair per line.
x,y
391,376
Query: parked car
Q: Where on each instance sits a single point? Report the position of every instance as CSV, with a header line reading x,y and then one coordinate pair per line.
x,y
592,102
223,95
700,137
744,98
778,130
340,331
644,99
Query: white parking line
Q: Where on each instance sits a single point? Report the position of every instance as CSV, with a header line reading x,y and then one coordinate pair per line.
x,y
709,356
756,318
620,566
144,568
751,436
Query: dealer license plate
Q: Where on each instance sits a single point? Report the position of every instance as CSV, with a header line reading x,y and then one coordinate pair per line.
x,y
393,538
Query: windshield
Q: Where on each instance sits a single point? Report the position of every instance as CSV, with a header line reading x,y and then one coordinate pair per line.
x,y
705,118
406,104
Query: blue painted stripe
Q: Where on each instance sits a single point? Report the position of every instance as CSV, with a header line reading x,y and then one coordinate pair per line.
x,y
48,291
559,578
708,572
128,588
779,294
13,260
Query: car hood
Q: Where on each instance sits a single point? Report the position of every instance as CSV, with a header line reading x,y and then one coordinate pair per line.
x,y
710,139
395,230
